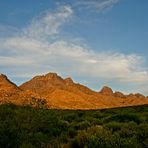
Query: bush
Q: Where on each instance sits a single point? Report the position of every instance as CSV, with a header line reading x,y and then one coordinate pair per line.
x,y
95,137
114,126
39,127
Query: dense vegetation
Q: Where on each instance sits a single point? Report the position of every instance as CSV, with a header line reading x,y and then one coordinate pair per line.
x,y
27,127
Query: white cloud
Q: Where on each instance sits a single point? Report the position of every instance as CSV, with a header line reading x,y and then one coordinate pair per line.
x,y
11,61
31,51
23,45
48,24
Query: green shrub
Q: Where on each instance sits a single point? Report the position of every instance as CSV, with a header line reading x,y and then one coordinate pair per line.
x,y
114,126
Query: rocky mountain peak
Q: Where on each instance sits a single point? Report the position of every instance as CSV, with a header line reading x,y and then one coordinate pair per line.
x,y
51,75
106,91
68,80
138,95
119,94
44,84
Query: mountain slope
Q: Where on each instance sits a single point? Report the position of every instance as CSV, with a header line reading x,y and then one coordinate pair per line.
x,y
6,84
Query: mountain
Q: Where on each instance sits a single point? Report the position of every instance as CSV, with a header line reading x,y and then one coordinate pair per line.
x,y
11,93
6,84
7,89
46,84
64,93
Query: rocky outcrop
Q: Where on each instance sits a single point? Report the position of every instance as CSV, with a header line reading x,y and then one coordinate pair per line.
x,y
106,91
138,95
119,94
69,81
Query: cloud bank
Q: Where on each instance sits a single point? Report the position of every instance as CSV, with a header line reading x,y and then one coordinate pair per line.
x,y
39,48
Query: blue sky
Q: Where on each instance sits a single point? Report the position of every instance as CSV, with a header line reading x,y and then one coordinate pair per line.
x,y
97,42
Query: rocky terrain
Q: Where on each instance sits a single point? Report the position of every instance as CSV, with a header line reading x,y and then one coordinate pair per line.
x,y
55,92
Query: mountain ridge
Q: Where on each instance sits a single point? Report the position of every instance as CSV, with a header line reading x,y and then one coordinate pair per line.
x,y
64,93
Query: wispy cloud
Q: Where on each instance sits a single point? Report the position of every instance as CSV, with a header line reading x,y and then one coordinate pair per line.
x,y
33,51
96,5
48,24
